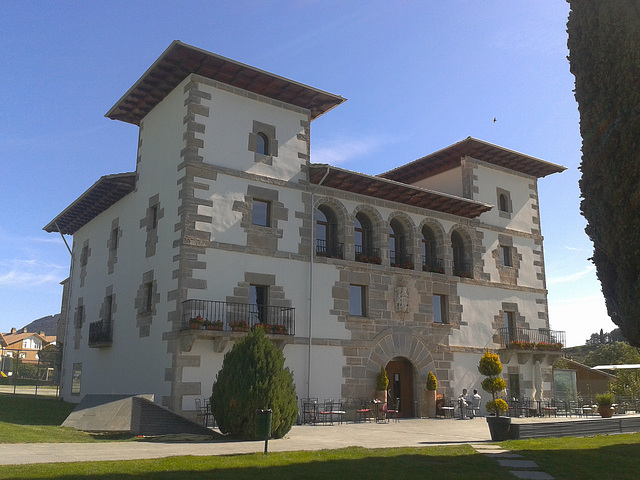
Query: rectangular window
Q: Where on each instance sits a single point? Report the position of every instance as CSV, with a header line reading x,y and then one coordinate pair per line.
x,y
79,316
84,256
153,213
357,299
76,377
505,256
108,308
259,303
114,239
510,325
148,297
440,309
260,213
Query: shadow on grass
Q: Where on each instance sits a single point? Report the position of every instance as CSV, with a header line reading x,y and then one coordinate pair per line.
x,y
352,463
619,461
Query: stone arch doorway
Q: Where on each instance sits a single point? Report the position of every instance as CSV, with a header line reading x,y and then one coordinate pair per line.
x,y
400,372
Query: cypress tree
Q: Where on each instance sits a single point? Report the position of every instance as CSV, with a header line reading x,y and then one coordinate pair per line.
x,y
604,48
253,377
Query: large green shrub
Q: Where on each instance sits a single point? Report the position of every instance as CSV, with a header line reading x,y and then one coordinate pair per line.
x,y
253,377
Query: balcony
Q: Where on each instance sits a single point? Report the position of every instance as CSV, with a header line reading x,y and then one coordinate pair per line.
x,y
401,260
237,317
434,265
464,270
100,334
530,339
368,255
328,249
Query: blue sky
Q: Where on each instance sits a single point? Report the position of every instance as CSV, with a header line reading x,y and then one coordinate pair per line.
x,y
418,76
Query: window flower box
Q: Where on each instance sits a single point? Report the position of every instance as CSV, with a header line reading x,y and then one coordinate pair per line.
x,y
212,325
196,323
239,326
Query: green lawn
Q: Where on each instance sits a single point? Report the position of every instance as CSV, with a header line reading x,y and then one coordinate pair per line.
x,y
29,419
460,462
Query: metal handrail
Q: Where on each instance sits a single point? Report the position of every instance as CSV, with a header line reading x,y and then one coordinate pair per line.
x,y
236,316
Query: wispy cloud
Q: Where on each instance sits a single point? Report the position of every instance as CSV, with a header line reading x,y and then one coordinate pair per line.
x,y
344,151
30,273
572,277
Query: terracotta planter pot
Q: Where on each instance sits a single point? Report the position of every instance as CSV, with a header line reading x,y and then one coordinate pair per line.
x,y
194,326
240,329
431,403
381,395
606,411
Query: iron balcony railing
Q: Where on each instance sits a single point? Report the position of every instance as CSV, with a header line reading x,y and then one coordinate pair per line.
x,y
230,316
432,264
367,255
530,339
401,260
100,333
328,249
464,270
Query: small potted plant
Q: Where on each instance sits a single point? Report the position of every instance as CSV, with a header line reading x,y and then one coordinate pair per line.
x,y
278,329
605,404
239,326
382,382
432,385
212,325
195,323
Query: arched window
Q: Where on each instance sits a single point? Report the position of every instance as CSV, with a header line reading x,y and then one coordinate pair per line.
x,y
462,266
398,246
363,239
430,262
262,144
327,234
503,203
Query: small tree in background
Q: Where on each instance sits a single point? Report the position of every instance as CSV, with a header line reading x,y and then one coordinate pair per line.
x,y
491,367
432,382
253,377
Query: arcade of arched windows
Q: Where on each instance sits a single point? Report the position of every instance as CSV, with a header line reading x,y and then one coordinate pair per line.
x,y
366,237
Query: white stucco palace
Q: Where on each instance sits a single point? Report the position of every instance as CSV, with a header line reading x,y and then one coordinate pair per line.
x,y
227,218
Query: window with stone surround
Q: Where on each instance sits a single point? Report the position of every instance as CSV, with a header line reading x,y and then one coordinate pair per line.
x,y
504,203
262,141
440,309
363,238
259,303
505,256
357,300
398,255
84,256
327,244
261,213
461,256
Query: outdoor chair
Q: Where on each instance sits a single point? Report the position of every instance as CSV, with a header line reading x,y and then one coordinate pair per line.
x,y
364,412
309,410
394,412
203,413
549,408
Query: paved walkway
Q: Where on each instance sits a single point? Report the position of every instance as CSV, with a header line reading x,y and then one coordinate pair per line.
x,y
405,433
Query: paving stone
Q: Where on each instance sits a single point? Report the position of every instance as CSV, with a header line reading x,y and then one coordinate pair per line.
x,y
518,463
503,455
531,475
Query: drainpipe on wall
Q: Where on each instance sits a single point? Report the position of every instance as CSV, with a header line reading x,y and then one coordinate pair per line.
x,y
312,255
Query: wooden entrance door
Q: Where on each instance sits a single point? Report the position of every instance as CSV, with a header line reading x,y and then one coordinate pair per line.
x,y
400,372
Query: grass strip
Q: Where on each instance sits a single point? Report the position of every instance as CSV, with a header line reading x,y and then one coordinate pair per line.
x,y
353,463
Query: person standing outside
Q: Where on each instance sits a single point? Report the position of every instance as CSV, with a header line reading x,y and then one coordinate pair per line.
x,y
462,403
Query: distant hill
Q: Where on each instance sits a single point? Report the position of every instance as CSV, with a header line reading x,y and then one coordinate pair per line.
x,y
48,325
